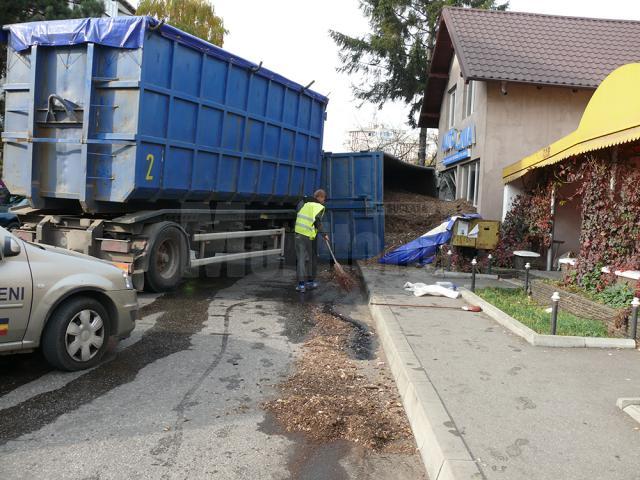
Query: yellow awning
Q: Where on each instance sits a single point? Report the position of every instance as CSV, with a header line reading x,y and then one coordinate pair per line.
x,y
612,117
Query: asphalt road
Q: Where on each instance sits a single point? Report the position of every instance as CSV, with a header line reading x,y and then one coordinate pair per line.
x,y
181,398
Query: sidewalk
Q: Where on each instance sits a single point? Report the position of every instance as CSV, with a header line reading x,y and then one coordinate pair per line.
x,y
518,411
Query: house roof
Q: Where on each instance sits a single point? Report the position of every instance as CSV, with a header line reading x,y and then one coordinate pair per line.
x,y
528,48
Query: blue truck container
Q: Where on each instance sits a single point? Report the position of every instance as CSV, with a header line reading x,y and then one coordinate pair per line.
x,y
110,113
355,210
355,184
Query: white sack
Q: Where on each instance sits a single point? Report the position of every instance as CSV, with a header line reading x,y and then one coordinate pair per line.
x,y
421,289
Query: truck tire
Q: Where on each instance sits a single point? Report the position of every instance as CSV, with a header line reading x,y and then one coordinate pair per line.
x,y
76,336
166,259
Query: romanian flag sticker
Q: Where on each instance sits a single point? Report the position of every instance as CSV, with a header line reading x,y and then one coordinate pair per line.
x,y
4,326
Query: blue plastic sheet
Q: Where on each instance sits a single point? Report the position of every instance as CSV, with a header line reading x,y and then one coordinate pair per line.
x,y
423,250
119,32
128,32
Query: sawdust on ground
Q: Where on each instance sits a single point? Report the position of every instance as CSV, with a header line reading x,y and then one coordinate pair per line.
x,y
330,396
411,215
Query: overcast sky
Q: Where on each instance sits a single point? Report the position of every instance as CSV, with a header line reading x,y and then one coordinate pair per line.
x,y
291,38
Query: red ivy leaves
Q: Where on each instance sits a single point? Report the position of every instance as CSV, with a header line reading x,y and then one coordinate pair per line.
x,y
610,231
527,226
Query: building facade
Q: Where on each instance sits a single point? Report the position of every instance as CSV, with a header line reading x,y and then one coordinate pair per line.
x,y
496,95
401,143
113,8
118,8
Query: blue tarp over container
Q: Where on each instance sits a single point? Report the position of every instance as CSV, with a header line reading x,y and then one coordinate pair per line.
x,y
423,249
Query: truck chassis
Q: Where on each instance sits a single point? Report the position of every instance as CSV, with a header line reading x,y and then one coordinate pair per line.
x,y
159,247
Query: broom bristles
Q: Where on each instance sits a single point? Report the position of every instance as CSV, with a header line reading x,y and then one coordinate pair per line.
x,y
346,281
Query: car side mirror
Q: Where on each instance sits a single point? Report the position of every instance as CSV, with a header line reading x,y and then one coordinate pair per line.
x,y
10,248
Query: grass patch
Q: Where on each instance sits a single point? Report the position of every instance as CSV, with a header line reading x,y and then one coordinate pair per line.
x,y
514,302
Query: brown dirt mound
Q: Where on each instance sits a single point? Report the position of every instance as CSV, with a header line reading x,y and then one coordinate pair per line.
x,y
410,215
329,397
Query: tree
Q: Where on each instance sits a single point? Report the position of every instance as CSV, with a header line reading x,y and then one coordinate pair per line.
x,y
394,58
196,17
18,11
394,140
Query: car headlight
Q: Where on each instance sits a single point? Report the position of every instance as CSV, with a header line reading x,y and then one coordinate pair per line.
x,y
128,281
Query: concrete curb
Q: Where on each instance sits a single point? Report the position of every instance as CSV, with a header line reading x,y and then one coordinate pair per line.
x,y
441,446
630,406
467,275
538,340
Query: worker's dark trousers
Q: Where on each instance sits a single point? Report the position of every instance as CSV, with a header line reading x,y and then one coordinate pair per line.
x,y
307,258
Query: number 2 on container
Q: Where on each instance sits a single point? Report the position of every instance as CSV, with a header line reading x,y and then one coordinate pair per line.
x,y
150,159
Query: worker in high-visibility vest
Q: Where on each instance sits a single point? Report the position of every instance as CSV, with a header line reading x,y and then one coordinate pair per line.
x,y
308,225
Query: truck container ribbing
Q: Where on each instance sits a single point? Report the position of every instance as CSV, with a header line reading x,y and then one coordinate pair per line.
x,y
110,113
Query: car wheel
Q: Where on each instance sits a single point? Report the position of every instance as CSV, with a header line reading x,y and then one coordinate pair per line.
x,y
165,261
76,336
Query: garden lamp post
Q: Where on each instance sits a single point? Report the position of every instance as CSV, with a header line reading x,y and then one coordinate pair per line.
x,y
474,262
527,267
490,258
634,317
449,253
555,299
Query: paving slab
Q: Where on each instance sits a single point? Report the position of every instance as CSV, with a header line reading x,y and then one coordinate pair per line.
x,y
523,412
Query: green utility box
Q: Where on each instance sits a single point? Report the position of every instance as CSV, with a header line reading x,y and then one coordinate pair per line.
x,y
480,234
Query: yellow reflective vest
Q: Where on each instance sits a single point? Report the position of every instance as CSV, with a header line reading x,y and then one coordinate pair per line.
x,y
306,219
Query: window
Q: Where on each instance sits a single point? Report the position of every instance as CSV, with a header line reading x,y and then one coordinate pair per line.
x,y
447,184
451,109
469,182
469,98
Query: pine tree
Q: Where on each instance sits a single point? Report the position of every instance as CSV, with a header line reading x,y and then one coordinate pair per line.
x,y
394,58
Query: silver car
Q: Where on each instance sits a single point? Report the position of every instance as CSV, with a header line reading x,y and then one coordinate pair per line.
x,y
64,302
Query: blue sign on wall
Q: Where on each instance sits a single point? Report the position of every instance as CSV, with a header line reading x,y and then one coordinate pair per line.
x,y
449,140
458,142
456,157
459,139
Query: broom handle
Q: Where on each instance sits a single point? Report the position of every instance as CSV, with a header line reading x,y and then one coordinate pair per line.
x,y
330,251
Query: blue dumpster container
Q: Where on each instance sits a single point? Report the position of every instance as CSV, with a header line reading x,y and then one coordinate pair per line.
x,y
109,112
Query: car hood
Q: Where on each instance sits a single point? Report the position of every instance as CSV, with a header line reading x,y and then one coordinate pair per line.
x,y
71,261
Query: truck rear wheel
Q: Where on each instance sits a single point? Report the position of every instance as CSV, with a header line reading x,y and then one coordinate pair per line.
x,y
166,260
77,334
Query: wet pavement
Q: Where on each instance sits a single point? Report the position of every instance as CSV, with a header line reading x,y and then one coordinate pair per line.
x,y
182,397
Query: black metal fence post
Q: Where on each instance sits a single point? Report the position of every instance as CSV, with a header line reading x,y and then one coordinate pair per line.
x,y
555,299
474,262
634,317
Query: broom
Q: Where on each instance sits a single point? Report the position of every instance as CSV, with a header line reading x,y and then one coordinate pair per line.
x,y
343,278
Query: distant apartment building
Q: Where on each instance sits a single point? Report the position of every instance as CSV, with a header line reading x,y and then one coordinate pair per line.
x,y
113,8
504,84
401,143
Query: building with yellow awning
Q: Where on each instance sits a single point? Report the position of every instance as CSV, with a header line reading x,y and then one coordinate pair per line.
x,y
609,135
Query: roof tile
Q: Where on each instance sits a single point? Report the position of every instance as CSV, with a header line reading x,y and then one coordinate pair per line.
x,y
542,49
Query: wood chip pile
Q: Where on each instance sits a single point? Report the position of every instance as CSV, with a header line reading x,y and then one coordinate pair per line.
x,y
330,397
410,215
